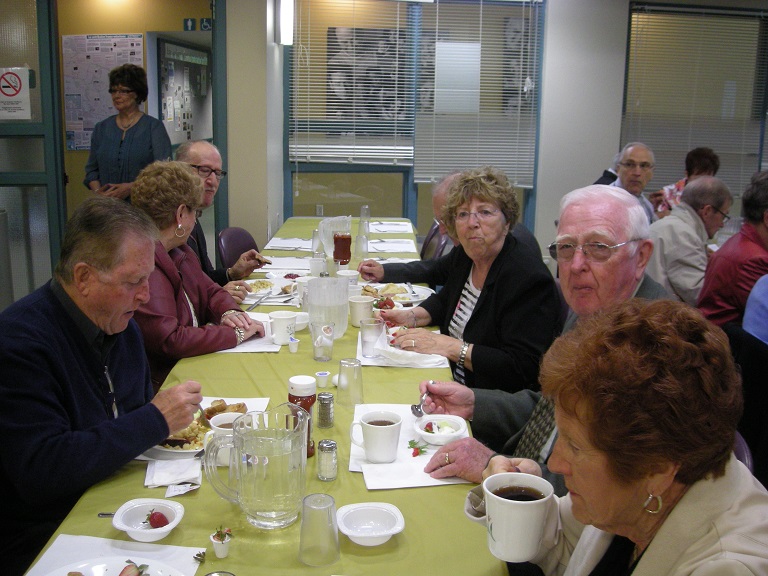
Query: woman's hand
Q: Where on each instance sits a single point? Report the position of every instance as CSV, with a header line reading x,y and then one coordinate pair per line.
x,y
371,271
121,191
238,289
448,398
426,342
238,319
500,463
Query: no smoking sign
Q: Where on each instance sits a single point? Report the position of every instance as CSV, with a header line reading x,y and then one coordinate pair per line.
x,y
10,84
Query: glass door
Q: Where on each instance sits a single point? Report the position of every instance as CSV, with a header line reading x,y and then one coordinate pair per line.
x,y
32,205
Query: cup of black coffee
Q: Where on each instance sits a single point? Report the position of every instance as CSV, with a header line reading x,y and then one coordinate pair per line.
x,y
380,435
516,507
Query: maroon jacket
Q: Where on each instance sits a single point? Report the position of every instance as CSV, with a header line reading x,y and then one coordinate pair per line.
x,y
731,273
166,320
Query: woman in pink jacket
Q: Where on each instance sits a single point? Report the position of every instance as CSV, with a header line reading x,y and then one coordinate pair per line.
x,y
187,314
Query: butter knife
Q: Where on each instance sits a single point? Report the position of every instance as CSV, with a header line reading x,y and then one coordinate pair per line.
x,y
258,301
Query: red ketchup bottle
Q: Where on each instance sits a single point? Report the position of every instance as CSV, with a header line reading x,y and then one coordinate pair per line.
x,y
302,391
342,247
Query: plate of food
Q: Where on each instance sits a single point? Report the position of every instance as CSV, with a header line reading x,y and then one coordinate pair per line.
x,y
116,566
397,292
274,286
189,441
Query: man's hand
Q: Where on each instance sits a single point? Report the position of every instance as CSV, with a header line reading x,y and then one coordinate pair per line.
x,y
466,459
247,263
371,271
448,398
121,191
499,464
179,404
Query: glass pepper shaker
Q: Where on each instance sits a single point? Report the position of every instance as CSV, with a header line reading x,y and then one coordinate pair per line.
x,y
325,410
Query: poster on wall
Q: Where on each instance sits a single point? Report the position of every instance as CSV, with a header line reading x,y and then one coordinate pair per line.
x,y
14,94
88,58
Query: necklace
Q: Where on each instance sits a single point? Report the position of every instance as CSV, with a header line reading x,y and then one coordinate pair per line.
x,y
131,121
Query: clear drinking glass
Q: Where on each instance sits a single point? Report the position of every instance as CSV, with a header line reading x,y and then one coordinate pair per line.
x,y
319,541
350,386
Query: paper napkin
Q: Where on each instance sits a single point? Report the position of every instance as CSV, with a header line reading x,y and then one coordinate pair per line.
x,y
168,472
392,245
391,356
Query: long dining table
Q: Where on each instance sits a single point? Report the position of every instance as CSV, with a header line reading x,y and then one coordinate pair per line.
x,y
437,539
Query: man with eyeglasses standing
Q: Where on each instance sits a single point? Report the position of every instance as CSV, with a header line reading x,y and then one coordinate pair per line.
x,y
635,172
680,254
206,159
602,249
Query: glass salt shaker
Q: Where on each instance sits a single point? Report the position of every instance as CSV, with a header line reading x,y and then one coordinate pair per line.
x,y
327,463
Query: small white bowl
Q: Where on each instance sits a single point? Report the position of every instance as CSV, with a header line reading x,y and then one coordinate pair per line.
x,y
370,523
131,517
302,320
458,424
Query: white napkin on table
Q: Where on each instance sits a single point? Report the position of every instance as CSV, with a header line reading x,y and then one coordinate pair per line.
x,y
392,245
391,356
168,472
406,471
68,549
288,264
289,244
390,227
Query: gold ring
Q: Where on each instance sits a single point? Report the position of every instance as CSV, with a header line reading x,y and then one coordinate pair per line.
x,y
447,459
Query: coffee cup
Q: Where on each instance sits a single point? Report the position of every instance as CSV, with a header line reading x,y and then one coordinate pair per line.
x,y
381,435
283,326
360,307
350,275
516,507
221,425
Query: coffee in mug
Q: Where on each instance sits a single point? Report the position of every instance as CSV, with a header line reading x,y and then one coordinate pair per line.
x,y
519,493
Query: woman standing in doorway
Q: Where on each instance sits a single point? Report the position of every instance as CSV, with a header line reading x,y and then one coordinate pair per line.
x,y
123,144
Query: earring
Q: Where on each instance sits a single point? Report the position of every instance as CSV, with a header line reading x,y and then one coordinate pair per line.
x,y
659,504
181,229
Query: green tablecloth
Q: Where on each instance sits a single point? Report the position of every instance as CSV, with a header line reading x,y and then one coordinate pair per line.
x,y
438,538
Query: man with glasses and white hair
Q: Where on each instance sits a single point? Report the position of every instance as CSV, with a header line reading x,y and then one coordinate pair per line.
x,y
635,169
205,158
602,249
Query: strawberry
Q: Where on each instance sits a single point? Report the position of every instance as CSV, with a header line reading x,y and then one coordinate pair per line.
x,y
132,569
415,452
417,449
429,428
156,519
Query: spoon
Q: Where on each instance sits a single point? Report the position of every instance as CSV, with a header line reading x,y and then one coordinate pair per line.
x,y
417,409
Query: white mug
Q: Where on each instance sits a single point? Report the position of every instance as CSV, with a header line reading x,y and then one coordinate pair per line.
x,y
360,307
283,326
381,436
221,425
515,527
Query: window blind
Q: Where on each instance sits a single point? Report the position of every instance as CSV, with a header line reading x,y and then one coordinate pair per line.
x,y
697,77
436,86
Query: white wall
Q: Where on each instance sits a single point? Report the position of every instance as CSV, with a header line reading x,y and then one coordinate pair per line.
x,y
581,97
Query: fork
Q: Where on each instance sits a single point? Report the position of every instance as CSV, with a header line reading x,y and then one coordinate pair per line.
x,y
410,287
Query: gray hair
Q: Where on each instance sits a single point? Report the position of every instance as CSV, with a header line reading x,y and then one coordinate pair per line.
x,y
96,234
637,222
706,191
634,145
184,152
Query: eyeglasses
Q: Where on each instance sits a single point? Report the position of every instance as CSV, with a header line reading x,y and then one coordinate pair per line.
x,y
197,211
593,251
725,216
632,165
204,171
481,215
120,91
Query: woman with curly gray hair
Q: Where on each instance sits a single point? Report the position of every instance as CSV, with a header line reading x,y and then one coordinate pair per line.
x,y
499,309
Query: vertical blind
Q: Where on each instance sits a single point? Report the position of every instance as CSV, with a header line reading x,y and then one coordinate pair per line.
x,y
697,77
437,86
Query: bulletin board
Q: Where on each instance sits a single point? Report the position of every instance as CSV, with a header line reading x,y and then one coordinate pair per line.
x,y
185,99
88,58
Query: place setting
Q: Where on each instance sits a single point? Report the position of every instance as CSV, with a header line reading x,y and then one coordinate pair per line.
x,y
390,227
392,245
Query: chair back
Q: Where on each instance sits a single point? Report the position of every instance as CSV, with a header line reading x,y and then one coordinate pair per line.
x,y
434,243
743,453
232,242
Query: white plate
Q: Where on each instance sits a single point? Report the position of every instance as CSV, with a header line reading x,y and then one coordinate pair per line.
x,y
281,275
277,285
422,293
113,565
